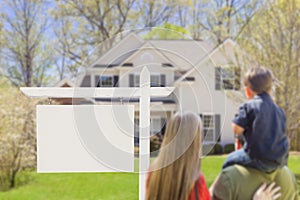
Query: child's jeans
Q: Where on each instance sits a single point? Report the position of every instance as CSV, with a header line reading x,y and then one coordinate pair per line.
x,y
240,157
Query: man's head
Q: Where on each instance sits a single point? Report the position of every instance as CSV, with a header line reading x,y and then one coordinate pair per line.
x,y
258,80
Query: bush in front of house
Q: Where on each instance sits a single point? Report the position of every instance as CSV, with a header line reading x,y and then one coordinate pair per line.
x,y
228,148
155,143
218,149
212,149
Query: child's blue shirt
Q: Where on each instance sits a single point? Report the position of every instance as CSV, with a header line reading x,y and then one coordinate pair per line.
x,y
265,125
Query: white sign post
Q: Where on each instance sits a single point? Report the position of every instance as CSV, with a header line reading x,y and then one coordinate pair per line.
x,y
89,143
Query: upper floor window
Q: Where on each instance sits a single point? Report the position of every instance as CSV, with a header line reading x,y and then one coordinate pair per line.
x,y
156,80
227,78
134,80
106,81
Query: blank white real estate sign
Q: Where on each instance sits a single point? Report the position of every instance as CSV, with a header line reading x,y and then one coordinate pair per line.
x,y
85,138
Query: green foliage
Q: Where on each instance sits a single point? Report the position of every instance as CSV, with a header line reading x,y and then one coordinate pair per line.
x,y
228,148
270,40
212,149
17,134
25,58
218,149
167,32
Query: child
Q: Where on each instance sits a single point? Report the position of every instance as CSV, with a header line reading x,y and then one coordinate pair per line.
x,y
263,124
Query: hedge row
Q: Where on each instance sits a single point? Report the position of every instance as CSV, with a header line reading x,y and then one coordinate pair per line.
x,y
216,149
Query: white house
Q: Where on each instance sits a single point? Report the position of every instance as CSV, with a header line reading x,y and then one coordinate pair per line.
x,y
206,80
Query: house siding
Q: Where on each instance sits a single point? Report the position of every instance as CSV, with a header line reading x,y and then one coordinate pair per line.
x,y
202,97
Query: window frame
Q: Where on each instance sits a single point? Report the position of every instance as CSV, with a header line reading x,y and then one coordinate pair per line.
x,y
211,126
228,74
152,83
136,80
99,81
227,77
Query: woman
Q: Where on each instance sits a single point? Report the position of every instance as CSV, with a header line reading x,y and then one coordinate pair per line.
x,y
176,173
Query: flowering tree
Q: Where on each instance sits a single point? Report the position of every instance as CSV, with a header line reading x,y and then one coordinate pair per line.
x,y
17,134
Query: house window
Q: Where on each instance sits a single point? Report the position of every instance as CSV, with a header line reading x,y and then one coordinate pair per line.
x,y
136,80
158,80
155,80
104,81
155,125
107,81
227,78
208,127
136,131
211,127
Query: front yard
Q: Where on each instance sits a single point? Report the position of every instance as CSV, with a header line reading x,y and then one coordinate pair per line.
x,y
104,186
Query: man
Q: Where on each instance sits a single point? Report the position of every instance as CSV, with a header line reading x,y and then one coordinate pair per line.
x,y
239,182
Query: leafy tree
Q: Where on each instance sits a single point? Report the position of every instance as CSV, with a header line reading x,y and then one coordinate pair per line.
x,y
273,40
82,25
217,20
168,31
17,134
24,55
150,13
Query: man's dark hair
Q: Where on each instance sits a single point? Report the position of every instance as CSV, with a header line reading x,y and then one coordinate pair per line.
x,y
259,79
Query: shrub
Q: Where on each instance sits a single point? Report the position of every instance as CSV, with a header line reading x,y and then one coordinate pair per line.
x,y
228,148
155,143
212,149
218,149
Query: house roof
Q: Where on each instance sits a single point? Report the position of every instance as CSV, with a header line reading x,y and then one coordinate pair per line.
x,y
216,50
148,45
184,54
65,83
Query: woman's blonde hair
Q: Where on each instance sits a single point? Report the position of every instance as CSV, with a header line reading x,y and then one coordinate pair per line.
x,y
177,167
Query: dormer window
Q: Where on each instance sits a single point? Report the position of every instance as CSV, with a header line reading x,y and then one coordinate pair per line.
x,y
227,78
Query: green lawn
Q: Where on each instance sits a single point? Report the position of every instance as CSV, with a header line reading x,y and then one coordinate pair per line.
x,y
106,186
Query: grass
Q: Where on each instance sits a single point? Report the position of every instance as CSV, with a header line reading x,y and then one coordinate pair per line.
x,y
104,186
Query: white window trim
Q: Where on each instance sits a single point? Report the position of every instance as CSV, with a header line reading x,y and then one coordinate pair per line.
x,y
159,78
135,82
211,128
111,76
